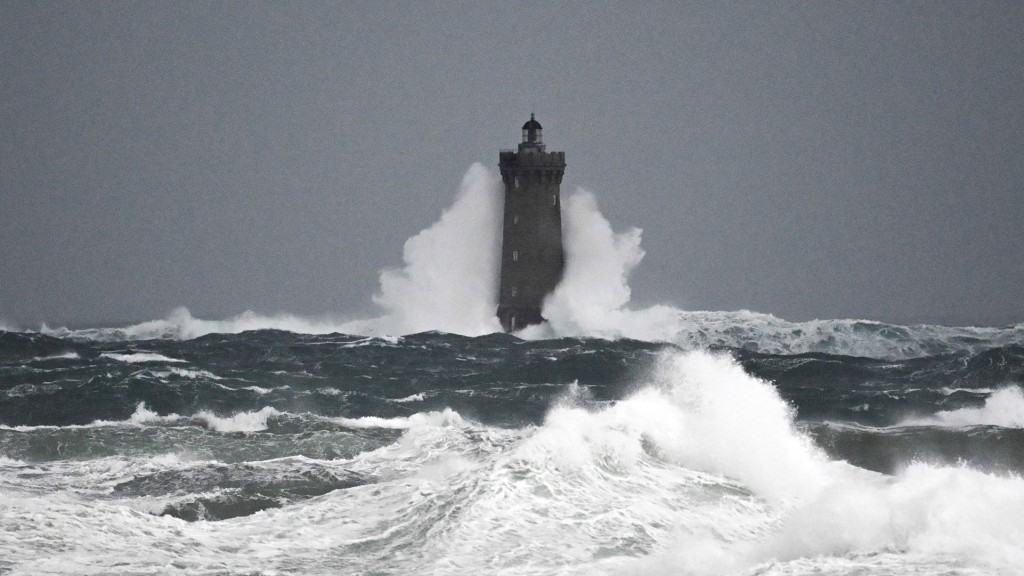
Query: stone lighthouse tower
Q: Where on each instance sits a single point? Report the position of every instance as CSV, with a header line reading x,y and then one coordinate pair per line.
x,y
531,250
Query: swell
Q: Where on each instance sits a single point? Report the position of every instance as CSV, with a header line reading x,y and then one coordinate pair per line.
x,y
218,491
203,436
885,392
497,378
993,449
694,466
741,329
283,385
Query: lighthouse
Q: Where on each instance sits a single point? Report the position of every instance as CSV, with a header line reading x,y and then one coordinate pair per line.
x,y
531,249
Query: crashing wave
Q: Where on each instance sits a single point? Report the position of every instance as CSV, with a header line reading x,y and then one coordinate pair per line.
x,y
449,284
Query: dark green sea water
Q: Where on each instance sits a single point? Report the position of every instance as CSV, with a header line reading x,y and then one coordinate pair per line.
x,y
269,452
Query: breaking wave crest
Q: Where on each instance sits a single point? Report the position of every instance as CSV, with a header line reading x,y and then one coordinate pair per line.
x,y
700,469
139,357
181,325
702,413
258,420
1005,408
251,421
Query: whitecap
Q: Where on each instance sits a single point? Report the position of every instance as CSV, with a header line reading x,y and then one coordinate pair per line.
x,y
139,357
444,418
1005,408
63,356
239,422
412,398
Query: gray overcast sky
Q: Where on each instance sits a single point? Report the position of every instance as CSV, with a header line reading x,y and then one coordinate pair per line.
x,y
811,160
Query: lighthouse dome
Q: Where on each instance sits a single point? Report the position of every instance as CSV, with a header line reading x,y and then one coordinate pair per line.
x,y
532,124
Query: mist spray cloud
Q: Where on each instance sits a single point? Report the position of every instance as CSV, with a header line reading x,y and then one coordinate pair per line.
x,y
449,281
592,298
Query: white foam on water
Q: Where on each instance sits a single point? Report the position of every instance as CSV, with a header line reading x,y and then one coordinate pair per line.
x,y
181,325
412,398
950,391
139,357
700,471
372,341
188,374
247,421
239,422
64,356
141,416
589,489
698,411
195,374
445,418
258,389
5,461
730,423
22,390
925,510
1004,407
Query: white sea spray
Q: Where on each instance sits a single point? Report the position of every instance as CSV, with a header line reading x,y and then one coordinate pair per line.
x,y
449,282
1004,407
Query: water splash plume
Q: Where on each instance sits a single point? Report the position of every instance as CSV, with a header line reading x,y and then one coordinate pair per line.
x,y
449,282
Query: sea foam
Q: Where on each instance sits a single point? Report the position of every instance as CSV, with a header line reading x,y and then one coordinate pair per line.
x,y
1005,407
444,418
705,460
702,412
181,325
63,356
246,421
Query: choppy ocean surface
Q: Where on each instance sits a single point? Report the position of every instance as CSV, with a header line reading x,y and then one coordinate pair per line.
x,y
611,440
745,446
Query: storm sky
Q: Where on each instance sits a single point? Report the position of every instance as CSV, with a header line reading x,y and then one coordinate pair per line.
x,y
809,160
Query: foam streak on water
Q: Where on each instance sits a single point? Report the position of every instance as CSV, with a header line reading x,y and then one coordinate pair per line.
x,y
700,470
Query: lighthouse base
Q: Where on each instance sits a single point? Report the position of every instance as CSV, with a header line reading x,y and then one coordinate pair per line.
x,y
513,319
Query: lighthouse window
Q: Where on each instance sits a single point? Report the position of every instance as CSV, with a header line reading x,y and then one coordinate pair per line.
x,y
515,219
515,255
513,291
554,200
515,183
